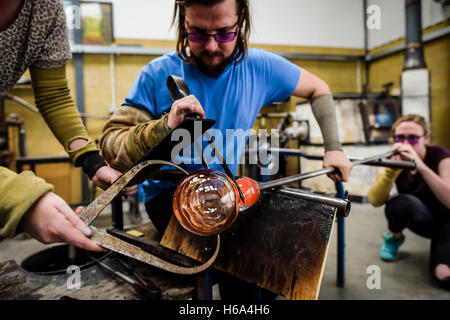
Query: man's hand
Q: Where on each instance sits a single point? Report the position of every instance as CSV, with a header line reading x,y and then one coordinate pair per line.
x,y
105,176
180,108
51,220
337,158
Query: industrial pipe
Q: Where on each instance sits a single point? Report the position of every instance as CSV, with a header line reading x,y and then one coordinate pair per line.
x,y
414,58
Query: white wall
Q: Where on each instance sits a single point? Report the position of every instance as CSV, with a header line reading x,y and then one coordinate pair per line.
x,y
323,23
143,19
393,19
328,23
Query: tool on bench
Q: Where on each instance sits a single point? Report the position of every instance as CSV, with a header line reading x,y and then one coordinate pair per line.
x,y
141,286
108,241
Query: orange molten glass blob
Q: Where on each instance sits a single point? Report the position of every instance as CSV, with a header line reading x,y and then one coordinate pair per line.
x,y
205,202
250,189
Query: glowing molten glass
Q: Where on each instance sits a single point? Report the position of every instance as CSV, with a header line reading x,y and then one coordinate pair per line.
x,y
250,189
207,202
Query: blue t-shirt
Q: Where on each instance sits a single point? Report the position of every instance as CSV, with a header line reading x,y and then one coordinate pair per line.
x,y
233,99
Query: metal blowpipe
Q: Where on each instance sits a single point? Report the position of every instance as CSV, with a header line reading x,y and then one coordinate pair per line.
x,y
302,176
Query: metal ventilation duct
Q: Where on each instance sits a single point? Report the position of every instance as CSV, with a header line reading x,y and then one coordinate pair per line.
x,y
415,78
414,58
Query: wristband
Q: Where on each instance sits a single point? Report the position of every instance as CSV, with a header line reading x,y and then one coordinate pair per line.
x,y
325,114
90,162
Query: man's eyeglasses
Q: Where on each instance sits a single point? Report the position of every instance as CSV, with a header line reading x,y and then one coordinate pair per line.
x,y
221,37
412,139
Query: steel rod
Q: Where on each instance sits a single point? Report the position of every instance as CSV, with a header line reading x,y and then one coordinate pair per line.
x,y
302,176
294,178
342,205
410,165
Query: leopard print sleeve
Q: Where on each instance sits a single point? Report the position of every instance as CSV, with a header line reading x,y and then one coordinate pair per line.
x,y
37,38
55,49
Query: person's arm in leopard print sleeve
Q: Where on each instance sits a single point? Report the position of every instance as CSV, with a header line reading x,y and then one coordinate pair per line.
x,y
54,50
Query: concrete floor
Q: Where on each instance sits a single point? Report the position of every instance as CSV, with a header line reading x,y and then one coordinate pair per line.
x,y
407,278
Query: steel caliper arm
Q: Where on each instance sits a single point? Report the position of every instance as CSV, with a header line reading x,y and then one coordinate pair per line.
x,y
110,242
137,173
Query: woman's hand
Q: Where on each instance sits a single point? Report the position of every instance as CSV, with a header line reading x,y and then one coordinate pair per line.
x,y
438,182
407,153
51,220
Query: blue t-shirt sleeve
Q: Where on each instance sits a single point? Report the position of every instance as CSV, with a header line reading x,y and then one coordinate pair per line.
x,y
141,94
281,77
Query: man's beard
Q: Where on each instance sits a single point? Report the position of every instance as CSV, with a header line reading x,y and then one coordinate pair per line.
x,y
212,71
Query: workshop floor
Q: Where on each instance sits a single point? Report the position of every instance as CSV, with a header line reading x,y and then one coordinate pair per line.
x,y
407,278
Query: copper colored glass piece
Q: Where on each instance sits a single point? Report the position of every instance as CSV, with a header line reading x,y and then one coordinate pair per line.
x,y
205,202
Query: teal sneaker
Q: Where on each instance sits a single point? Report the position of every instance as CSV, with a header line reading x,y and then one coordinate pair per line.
x,y
390,246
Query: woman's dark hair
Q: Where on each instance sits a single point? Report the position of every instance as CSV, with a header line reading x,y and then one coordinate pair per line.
x,y
242,11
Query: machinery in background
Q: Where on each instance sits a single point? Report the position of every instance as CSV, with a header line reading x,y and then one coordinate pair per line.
x,y
291,131
378,112
8,149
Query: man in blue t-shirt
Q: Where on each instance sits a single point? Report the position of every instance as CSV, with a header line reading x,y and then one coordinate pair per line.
x,y
228,83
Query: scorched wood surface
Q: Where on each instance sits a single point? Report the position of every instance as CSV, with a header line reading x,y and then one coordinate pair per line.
x,y
279,244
